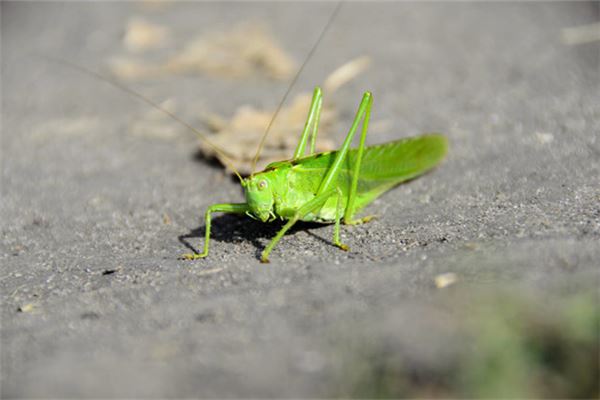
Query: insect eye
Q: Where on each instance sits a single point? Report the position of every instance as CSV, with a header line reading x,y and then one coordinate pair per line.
x,y
262,185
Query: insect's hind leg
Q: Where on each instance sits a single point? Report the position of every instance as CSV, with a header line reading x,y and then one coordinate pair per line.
x,y
349,213
312,121
338,217
233,208
364,110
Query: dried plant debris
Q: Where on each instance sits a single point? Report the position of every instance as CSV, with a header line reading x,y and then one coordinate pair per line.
x,y
239,137
581,34
125,68
142,35
444,280
244,51
346,73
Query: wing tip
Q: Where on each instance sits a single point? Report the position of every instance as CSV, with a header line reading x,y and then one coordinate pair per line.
x,y
438,142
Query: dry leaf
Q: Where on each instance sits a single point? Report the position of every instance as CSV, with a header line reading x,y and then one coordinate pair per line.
x,y
126,68
239,137
141,35
246,50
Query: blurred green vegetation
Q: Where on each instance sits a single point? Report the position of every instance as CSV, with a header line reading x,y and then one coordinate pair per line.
x,y
500,346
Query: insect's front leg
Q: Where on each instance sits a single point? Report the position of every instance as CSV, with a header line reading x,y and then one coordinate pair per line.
x,y
233,208
312,205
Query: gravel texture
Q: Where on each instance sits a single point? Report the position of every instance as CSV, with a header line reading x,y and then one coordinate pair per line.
x,y
95,302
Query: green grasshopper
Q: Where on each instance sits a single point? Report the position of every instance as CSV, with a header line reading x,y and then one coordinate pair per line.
x,y
329,187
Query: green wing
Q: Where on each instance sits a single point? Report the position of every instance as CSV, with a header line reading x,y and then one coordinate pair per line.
x,y
383,166
399,161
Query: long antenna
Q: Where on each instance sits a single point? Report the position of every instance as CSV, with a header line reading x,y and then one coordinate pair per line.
x,y
291,85
227,160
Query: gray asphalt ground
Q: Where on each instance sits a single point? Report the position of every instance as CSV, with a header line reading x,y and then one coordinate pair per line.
x,y
95,302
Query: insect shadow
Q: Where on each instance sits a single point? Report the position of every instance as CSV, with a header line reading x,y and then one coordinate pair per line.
x,y
232,228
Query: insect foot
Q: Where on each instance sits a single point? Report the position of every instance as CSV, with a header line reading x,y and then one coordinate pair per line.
x,y
264,259
360,221
343,246
192,256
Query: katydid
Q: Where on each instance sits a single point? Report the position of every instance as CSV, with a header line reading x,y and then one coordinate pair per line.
x,y
329,187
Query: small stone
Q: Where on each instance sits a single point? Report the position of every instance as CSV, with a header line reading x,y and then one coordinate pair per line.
x,y
445,280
